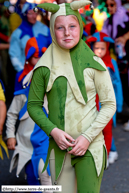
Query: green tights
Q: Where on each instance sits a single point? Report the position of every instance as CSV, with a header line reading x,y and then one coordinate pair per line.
x,y
80,178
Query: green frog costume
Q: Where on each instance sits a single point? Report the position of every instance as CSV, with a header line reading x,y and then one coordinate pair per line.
x,y
71,79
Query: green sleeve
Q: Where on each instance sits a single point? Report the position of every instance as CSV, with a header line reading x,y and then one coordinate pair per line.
x,y
36,99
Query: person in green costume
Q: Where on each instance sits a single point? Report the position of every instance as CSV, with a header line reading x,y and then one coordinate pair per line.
x,y
71,75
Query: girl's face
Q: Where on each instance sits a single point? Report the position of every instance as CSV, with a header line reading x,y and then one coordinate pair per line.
x,y
67,31
100,49
111,6
34,60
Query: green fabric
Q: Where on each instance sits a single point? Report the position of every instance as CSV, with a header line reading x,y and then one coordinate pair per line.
x,y
34,106
102,8
82,57
59,90
51,7
59,157
88,181
83,20
69,11
88,13
101,2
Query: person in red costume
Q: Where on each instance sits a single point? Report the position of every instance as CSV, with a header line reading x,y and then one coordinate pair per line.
x,y
29,51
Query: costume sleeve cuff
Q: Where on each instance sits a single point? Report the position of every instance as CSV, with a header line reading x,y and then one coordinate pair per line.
x,y
9,133
87,137
49,131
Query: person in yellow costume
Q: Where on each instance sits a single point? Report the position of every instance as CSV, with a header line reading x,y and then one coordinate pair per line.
x,y
100,14
15,18
2,120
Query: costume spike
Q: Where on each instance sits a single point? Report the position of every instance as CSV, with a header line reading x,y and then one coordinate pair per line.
x,y
75,5
51,7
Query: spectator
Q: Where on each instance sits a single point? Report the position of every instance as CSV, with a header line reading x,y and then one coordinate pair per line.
x,y
2,108
4,44
15,18
32,143
2,119
29,27
117,27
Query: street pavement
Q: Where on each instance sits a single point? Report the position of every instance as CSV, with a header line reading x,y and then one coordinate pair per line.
x,y
116,177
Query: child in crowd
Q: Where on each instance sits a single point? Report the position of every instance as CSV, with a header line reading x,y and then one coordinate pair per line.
x,y
32,143
71,75
100,43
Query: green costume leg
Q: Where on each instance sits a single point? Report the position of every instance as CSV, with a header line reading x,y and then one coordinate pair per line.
x,y
87,179
86,175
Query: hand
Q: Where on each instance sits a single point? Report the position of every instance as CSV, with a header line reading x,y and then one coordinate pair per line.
x,y
11,142
61,138
121,40
81,146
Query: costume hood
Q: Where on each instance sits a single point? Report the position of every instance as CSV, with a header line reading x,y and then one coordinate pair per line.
x,y
34,47
28,6
102,37
68,63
